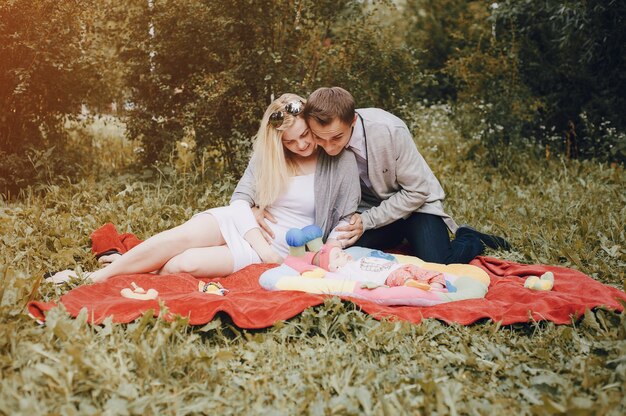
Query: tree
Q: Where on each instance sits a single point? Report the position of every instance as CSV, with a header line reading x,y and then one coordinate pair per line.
x,y
46,72
212,67
573,56
529,70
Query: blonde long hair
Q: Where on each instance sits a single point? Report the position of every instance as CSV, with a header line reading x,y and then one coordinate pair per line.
x,y
274,164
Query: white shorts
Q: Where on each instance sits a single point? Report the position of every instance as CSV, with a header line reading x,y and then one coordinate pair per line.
x,y
235,221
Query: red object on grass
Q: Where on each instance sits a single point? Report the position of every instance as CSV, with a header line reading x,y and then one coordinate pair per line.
x,y
107,238
251,306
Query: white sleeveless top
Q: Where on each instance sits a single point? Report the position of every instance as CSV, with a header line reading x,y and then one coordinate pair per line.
x,y
294,208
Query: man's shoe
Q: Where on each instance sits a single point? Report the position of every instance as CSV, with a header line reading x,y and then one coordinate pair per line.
x,y
491,241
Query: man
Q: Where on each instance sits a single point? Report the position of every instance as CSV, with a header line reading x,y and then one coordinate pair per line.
x,y
400,195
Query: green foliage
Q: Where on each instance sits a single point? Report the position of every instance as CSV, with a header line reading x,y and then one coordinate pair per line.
x,y
361,53
332,359
518,73
480,73
494,106
572,58
548,72
438,30
493,103
90,147
47,70
572,54
215,66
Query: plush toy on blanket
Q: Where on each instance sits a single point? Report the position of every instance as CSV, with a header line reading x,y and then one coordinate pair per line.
x,y
545,282
138,293
299,240
214,288
370,279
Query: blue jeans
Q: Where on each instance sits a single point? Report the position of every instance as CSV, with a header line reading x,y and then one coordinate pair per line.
x,y
428,237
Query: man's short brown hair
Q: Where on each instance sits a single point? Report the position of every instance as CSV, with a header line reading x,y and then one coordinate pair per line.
x,y
326,104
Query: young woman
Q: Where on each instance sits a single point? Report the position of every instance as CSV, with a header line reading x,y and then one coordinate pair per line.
x,y
287,178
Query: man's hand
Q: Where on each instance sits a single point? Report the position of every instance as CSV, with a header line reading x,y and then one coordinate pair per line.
x,y
353,231
261,215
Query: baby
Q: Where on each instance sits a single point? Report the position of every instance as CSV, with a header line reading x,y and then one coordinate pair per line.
x,y
380,271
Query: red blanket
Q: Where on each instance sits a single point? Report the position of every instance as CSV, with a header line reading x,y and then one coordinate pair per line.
x,y
250,306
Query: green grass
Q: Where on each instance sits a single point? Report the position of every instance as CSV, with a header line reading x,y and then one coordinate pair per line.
x,y
332,359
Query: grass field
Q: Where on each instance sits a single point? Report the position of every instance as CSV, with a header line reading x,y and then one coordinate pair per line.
x,y
332,359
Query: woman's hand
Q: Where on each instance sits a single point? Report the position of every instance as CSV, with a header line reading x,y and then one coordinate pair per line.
x,y
261,215
353,231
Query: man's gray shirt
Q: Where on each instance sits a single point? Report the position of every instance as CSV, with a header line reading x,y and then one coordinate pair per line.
x,y
401,180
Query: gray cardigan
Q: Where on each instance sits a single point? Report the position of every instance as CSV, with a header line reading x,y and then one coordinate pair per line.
x,y
401,179
337,190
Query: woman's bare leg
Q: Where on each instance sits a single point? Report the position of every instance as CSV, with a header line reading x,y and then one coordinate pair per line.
x,y
201,262
200,231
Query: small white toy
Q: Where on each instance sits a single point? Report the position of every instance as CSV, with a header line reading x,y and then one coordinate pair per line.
x,y
545,282
139,293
